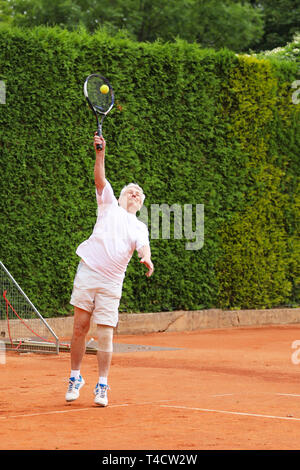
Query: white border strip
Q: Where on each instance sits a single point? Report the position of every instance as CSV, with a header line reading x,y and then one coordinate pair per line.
x,y
238,413
92,407
206,410
288,394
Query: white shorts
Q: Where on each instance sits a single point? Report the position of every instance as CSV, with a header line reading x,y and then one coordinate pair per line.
x,y
97,295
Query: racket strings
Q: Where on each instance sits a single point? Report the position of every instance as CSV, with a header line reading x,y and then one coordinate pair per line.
x,y
101,101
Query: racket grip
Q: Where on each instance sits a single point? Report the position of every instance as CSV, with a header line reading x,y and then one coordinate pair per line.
x,y
99,132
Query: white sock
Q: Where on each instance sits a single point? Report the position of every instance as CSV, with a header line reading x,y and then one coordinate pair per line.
x,y
75,373
103,380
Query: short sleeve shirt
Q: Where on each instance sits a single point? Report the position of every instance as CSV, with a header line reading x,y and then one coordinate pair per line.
x,y
116,234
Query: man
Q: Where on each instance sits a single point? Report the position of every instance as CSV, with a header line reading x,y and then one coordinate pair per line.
x,y
99,278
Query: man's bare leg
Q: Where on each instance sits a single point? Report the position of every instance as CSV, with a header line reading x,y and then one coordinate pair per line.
x,y
80,329
104,356
104,361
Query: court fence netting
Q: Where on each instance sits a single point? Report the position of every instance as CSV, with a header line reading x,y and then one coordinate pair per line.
x,y
22,327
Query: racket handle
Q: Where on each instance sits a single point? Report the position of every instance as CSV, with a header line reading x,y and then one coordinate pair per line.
x,y
99,132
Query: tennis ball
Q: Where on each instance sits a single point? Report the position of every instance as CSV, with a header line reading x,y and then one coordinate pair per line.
x,y
104,89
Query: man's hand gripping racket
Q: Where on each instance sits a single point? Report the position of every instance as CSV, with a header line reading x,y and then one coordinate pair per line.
x,y
100,97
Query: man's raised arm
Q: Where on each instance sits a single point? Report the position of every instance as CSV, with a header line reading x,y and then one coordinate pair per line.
x,y
99,169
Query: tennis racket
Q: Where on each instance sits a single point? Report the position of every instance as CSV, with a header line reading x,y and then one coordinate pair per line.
x,y
100,97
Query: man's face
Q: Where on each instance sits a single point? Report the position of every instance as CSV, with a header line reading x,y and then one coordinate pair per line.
x,y
131,200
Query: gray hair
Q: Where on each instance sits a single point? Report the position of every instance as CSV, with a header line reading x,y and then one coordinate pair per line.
x,y
136,186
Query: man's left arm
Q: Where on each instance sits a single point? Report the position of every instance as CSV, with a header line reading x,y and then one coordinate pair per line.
x,y
145,255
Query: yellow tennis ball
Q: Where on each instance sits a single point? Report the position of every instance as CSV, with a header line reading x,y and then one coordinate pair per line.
x,y
104,89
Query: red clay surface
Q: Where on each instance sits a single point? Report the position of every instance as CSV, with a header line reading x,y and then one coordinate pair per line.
x,y
225,389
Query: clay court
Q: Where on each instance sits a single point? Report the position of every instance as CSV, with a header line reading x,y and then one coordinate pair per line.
x,y
233,389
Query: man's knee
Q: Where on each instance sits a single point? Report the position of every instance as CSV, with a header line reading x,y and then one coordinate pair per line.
x,y
82,321
105,338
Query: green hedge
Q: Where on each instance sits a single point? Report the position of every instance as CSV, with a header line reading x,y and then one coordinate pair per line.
x,y
191,126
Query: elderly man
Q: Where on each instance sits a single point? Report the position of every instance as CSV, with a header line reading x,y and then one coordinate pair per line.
x,y
98,282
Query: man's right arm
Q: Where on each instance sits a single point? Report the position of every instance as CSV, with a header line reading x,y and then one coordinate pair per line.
x,y
99,168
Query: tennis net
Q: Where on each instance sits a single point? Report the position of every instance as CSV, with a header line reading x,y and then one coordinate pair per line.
x,y
22,327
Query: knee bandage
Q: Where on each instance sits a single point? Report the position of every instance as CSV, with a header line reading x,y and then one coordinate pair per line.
x,y
105,338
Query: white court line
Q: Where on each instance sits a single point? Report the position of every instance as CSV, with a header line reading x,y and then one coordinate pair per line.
x,y
222,395
287,395
239,413
29,415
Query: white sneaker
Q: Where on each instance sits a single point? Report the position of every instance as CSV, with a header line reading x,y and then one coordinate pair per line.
x,y
74,387
101,394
